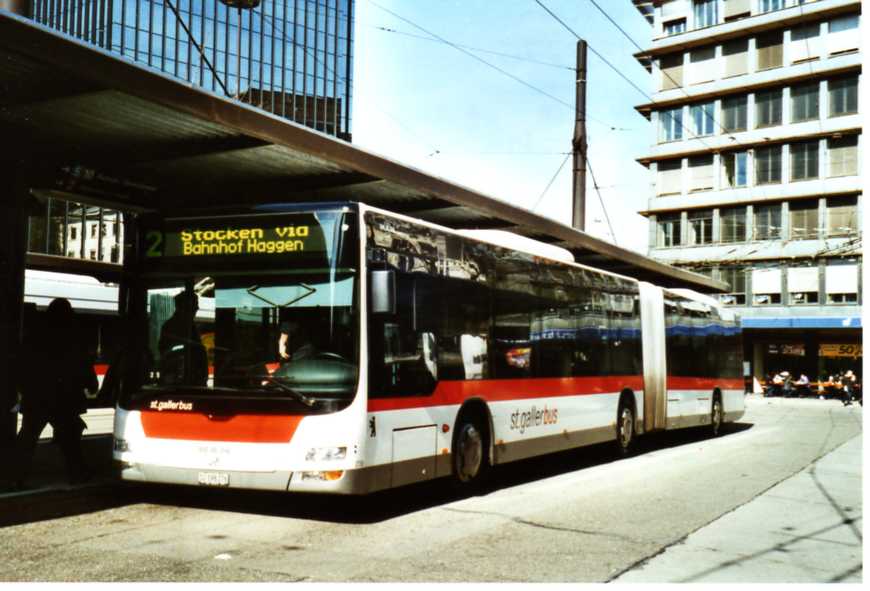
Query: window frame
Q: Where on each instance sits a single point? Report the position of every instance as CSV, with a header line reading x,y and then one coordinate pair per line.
x,y
771,214
772,109
759,158
803,150
735,224
806,102
731,110
848,85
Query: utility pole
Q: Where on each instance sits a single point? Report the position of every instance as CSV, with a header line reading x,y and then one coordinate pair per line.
x,y
579,142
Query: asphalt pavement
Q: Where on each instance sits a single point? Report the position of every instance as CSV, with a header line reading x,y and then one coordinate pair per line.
x,y
806,529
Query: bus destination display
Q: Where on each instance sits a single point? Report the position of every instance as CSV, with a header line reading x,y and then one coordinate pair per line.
x,y
270,238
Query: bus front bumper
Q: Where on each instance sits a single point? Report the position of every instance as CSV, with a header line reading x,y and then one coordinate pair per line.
x,y
349,482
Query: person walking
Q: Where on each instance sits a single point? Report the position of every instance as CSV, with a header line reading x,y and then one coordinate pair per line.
x,y
54,377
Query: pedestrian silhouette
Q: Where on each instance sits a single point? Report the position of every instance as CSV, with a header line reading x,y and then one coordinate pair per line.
x,y
53,378
183,358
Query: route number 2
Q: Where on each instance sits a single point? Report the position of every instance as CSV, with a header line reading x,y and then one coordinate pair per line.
x,y
154,243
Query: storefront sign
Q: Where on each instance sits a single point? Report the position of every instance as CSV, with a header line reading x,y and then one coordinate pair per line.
x,y
841,350
792,350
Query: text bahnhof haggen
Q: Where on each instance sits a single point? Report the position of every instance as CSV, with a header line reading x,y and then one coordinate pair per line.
x,y
243,241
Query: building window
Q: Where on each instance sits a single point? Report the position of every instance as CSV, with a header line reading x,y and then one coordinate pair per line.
x,y
803,285
668,230
706,14
841,284
93,228
843,96
701,173
769,51
670,177
767,222
671,124
672,71
769,5
735,277
843,156
700,227
766,287
675,27
703,116
702,65
735,169
843,34
804,219
842,216
732,224
768,108
768,165
805,43
805,102
73,232
734,109
804,160
735,9
736,54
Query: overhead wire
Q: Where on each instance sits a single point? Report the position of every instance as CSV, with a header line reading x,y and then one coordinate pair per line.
x,y
480,49
475,57
552,180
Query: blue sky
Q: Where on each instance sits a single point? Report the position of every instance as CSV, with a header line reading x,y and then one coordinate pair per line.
x,y
428,105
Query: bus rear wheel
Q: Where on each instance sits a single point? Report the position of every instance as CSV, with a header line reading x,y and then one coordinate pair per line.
x,y
625,433
716,417
469,451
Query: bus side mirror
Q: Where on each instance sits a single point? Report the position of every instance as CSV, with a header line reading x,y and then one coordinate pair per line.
x,y
382,291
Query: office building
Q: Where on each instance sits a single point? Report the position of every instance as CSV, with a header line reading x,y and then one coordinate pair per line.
x,y
755,167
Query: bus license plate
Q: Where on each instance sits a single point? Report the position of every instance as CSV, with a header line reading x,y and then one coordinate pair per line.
x,y
214,478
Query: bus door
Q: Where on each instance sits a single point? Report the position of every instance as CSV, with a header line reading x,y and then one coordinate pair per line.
x,y
654,361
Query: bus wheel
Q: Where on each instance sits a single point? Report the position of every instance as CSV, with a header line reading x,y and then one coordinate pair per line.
x,y
716,416
469,451
625,428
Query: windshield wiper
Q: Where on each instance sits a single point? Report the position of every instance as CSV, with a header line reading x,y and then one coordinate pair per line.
x,y
309,290
296,394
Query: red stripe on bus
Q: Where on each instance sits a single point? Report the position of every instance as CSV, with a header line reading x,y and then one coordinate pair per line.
x,y
457,391
239,428
708,384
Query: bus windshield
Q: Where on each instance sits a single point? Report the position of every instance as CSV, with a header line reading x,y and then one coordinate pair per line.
x,y
274,328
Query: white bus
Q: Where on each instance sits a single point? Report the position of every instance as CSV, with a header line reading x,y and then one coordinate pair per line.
x,y
352,350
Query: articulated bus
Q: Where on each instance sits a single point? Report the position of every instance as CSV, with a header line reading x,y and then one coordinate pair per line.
x,y
348,350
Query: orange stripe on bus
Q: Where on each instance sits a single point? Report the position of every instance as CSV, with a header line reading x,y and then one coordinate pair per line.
x,y
456,391
239,428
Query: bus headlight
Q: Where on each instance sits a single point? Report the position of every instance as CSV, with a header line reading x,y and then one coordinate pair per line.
x,y
319,454
329,476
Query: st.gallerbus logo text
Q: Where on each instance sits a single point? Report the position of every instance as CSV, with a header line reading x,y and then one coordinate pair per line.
x,y
171,405
534,418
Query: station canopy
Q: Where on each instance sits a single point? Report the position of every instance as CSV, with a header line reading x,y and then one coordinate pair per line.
x,y
91,126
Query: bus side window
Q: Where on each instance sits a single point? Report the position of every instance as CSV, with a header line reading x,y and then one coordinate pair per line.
x,y
402,360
